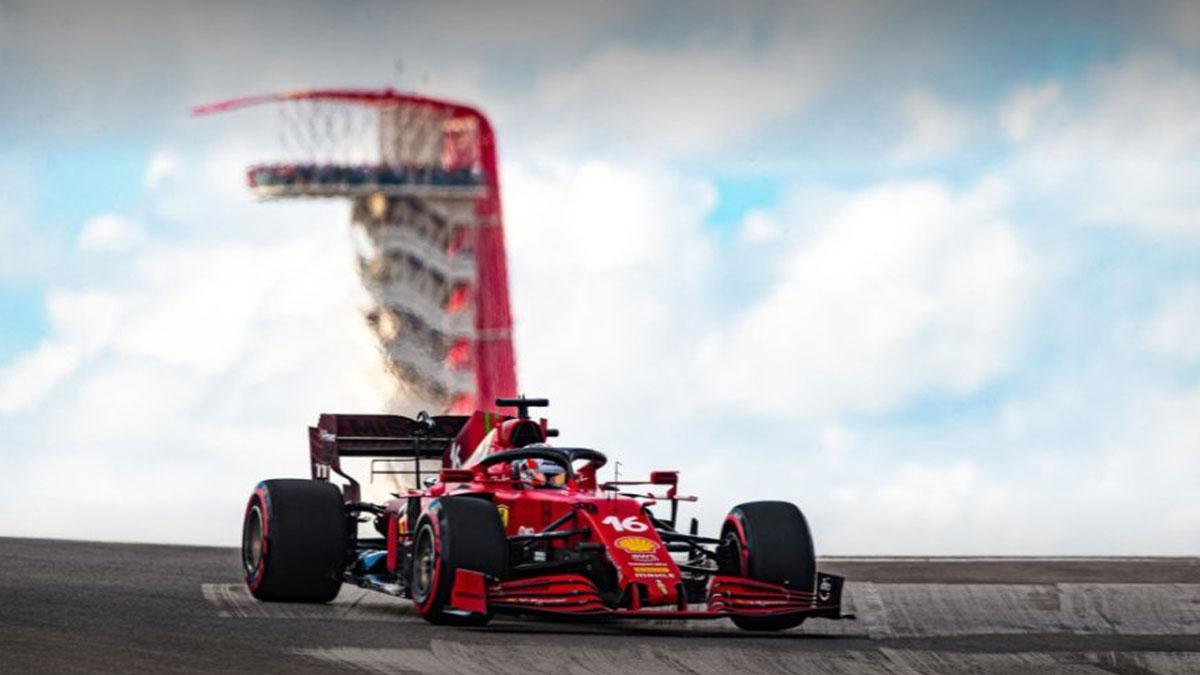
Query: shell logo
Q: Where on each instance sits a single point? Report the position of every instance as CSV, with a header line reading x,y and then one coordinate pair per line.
x,y
637,545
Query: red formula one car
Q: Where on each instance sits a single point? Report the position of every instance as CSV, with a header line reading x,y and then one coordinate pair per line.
x,y
512,524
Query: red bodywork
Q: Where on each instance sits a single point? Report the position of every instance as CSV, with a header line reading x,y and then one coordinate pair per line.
x,y
645,581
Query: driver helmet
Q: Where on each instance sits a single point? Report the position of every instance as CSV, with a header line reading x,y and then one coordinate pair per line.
x,y
539,472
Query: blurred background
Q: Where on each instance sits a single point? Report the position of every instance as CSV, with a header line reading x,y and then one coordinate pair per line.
x,y
932,271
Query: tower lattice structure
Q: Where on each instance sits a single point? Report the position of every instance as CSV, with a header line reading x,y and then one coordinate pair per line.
x,y
421,177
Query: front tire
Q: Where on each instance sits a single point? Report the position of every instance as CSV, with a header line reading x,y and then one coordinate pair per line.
x,y
294,538
772,543
455,533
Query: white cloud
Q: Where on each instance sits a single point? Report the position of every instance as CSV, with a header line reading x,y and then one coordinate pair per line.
x,y
604,263
1028,108
910,289
28,248
935,129
164,165
976,489
200,367
1174,329
86,320
1123,152
194,361
602,217
207,318
714,92
80,324
920,500
758,226
25,381
1146,474
110,233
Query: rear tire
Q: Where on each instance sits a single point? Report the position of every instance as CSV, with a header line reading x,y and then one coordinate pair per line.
x,y
455,533
773,544
294,538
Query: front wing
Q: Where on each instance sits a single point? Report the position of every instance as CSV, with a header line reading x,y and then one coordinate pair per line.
x,y
573,595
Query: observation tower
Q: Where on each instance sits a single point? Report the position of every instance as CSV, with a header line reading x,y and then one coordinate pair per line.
x,y
421,178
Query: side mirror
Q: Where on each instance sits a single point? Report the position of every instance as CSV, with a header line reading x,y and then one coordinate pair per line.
x,y
456,476
664,477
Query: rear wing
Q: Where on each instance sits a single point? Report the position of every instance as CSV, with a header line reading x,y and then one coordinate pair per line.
x,y
384,437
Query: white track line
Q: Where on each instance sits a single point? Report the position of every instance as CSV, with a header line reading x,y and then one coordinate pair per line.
x,y
352,604
452,657
884,610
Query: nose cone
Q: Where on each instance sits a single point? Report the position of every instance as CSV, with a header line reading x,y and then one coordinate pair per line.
x,y
644,566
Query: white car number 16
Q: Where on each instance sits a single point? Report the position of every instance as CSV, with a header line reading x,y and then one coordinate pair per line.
x,y
629,524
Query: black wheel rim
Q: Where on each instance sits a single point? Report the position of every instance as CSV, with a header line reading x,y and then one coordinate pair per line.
x,y
252,540
424,560
732,560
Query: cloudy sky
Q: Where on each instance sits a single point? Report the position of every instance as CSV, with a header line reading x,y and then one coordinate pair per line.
x,y
931,271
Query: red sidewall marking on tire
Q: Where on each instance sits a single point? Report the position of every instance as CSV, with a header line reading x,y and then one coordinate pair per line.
x,y
432,513
255,579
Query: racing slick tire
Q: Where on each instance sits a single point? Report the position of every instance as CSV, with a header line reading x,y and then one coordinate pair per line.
x,y
771,542
455,533
294,538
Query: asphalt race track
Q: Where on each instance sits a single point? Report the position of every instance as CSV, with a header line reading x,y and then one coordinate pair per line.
x,y
88,607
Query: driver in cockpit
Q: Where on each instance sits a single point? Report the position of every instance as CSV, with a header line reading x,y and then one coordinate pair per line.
x,y
539,472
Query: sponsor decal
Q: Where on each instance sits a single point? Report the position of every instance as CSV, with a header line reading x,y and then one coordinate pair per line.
x,y
662,588
503,509
637,545
824,589
644,557
652,571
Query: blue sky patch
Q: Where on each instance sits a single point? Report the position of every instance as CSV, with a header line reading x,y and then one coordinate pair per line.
x,y
79,182
22,318
739,195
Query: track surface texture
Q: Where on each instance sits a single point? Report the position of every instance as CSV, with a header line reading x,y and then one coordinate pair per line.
x,y
90,607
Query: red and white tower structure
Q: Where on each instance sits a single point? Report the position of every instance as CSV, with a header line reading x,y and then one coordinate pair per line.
x,y
421,176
